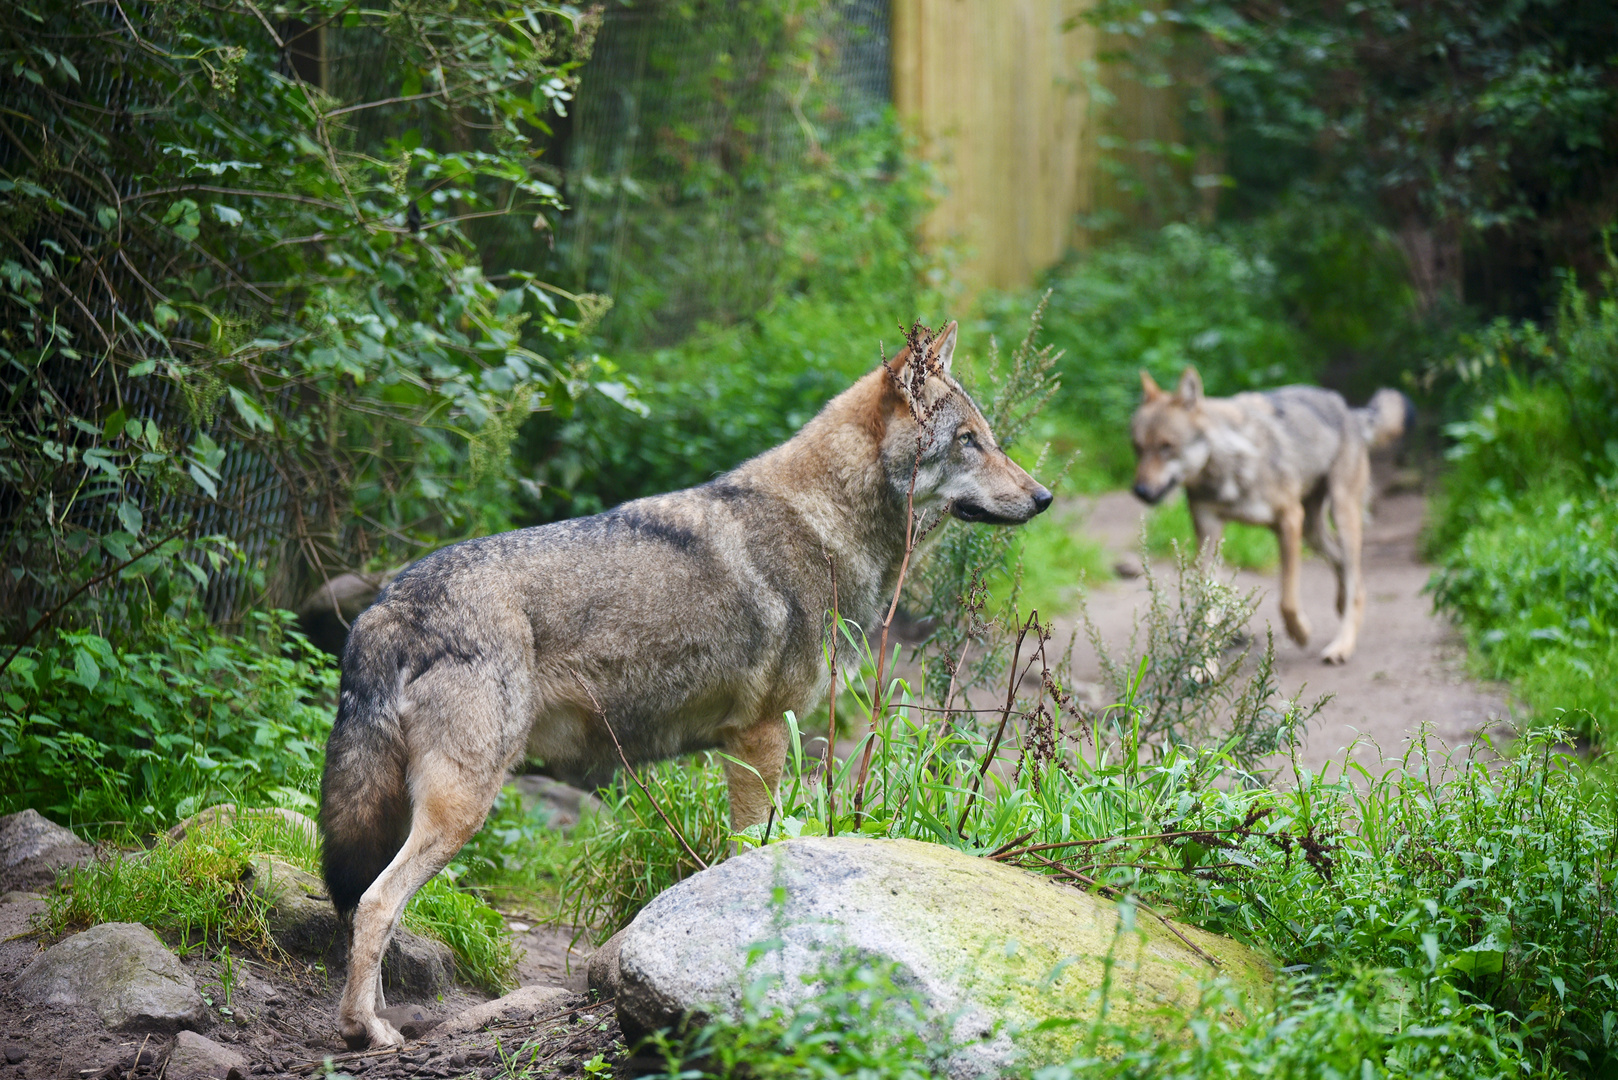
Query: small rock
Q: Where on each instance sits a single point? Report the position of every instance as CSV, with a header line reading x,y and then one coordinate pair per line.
x,y
411,1020
123,972
194,1056
225,814
17,896
16,1054
567,804
303,922
1128,567
34,849
521,1003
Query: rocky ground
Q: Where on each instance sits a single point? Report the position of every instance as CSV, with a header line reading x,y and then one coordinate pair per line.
x,y
115,1001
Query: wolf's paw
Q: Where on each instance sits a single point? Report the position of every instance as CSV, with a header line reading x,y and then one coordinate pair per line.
x,y
1297,626
374,1034
1337,652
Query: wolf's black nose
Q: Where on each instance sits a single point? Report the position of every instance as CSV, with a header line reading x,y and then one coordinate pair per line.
x,y
1142,492
1042,499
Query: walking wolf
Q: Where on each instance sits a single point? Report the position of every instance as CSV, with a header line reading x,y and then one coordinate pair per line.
x,y
1281,458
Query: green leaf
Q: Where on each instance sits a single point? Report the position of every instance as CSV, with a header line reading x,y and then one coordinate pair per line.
x,y
129,516
203,480
114,426
250,411
85,670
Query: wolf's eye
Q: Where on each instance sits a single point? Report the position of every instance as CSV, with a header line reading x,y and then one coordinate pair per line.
x,y
968,439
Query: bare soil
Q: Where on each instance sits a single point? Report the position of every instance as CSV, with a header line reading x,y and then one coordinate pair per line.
x,y
283,1021
1407,676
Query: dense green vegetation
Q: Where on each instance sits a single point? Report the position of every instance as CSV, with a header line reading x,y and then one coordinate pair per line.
x,y
1527,526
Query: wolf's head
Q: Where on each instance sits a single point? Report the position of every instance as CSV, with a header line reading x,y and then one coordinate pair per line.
x,y
935,437
1170,446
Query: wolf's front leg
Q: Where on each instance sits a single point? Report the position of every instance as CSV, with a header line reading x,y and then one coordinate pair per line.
x,y
1289,530
761,751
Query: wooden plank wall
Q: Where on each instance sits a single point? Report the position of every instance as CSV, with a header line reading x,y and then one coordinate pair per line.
x,y
997,92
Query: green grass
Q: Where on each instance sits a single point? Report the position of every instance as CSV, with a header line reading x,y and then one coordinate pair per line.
x,y
1251,547
192,893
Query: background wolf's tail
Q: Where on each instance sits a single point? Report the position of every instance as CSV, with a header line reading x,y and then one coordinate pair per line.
x,y
1387,418
364,798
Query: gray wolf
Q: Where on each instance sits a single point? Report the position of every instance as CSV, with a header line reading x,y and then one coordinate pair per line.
x,y
1283,458
670,624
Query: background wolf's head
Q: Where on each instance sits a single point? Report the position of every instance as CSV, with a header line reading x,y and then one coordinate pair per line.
x,y
1169,445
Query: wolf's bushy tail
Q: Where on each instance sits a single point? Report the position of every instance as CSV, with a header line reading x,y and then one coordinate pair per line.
x,y
1387,418
364,797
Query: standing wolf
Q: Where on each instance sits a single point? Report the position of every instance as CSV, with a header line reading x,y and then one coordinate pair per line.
x,y
1281,458
670,624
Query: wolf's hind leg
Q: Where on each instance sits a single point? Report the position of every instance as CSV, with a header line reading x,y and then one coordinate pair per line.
x,y
450,800
1346,508
752,786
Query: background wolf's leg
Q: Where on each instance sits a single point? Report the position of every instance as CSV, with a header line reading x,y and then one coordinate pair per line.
x,y
764,747
1209,526
1289,529
1346,508
1316,529
451,801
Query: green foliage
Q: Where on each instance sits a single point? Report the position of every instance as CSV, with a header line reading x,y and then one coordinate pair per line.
x,y
859,1022
475,932
1182,296
235,295
191,891
1460,120
1251,547
628,853
1526,529
183,715
518,858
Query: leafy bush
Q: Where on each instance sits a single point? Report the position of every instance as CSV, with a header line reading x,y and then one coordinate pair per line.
x,y
134,738
1525,528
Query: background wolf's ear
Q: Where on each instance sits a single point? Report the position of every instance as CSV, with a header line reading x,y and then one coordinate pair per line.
x,y
945,349
1190,389
1149,389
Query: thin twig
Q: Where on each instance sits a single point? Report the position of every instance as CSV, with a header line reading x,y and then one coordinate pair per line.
x,y
1000,732
678,835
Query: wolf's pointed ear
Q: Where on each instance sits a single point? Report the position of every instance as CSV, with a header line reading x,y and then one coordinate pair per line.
x,y
945,349
1190,388
1149,389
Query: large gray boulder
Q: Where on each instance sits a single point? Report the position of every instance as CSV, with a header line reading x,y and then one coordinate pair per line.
x,y
123,973
34,849
992,950
303,922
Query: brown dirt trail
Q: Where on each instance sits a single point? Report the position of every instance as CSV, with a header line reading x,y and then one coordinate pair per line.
x,y
1408,672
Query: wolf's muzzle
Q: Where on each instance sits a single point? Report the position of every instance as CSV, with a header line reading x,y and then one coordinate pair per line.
x,y
967,510
1150,497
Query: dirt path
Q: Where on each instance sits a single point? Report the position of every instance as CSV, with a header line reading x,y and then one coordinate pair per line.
x,y
1407,672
